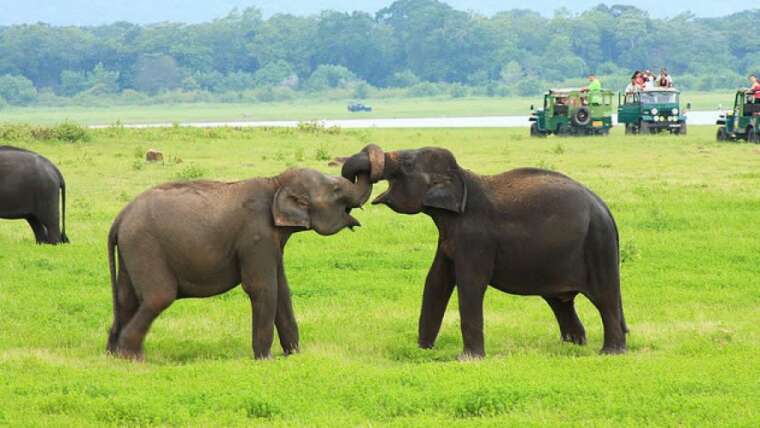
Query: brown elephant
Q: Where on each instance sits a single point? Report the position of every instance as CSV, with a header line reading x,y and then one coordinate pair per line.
x,y
526,231
203,238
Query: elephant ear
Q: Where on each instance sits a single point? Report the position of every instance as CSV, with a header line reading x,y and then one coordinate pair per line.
x,y
447,191
290,209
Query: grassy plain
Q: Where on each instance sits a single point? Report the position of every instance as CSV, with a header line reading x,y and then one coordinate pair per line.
x,y
687,210
307,109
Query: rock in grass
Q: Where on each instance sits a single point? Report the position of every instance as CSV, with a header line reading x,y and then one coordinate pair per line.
x,y
153,155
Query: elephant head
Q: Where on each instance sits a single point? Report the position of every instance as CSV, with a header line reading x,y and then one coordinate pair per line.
x,y
418,180
308,199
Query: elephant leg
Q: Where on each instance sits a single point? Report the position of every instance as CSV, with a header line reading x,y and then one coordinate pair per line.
x,y
40,234
472,277
285,320
125,305
608,303
156,287
570,327
50,219
260,282
438,288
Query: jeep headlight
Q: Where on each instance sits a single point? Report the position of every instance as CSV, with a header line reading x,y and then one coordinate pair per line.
x,y
657,118
654,111
675,112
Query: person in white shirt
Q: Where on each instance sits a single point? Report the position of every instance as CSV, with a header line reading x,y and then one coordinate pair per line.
x,y
649,79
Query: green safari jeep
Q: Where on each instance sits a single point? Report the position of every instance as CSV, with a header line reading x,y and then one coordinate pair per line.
x,y
743,122
572,112
651,111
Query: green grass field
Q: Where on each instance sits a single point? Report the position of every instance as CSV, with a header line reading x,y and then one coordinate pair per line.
x,y
687,210
308,109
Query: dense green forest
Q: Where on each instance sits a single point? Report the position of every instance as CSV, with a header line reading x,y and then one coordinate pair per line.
x,y
410,48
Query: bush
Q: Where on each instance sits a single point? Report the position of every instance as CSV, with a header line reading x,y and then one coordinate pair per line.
x,y
67,131
403,79
362,90
425,89
270,94
70,132
457,90
190,172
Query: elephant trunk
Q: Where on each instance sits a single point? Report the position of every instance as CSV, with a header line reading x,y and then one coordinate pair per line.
x,y
371,161
360,192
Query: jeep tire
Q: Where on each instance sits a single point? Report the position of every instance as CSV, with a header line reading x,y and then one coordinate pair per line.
x,y
582,116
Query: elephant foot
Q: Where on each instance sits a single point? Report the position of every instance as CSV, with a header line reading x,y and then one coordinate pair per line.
x,y
295,349
613,350
576,338
425,344
469,356
128,354
263,356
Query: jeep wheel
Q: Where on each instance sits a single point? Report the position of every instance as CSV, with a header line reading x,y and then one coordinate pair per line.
x,y
582,116
629,129
534,132
682,129
753,136
722,134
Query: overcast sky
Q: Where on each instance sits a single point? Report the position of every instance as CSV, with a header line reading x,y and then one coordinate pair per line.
x,y
92,12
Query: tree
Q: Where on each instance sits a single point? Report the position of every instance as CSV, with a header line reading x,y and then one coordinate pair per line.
x,y
154,73
356,42
73,82
273,74
330,77
17,90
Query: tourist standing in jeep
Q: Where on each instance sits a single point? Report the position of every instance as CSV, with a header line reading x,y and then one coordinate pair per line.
x,y
755,87
594,89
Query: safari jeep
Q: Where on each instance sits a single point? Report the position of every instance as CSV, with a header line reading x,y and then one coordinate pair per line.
x,y
651,111
572,112
743,123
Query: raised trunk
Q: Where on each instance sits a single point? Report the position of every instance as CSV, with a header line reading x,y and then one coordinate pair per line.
x,y
371,161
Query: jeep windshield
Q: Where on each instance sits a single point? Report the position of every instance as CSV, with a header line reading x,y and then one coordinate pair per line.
x,y
659,98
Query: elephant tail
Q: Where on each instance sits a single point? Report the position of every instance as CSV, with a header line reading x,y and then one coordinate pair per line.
x,y
64,238
113,334
623,324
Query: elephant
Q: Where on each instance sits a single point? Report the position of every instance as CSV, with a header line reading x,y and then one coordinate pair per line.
x,y
527,231
203,238
29,190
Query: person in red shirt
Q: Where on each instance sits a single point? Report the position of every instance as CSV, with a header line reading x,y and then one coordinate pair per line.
x,y
755,87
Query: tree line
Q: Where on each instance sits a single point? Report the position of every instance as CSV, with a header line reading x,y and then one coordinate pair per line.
x,y
424,47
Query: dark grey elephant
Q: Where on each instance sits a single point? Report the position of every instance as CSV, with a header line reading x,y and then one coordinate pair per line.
x,y
203,238
526,231
29,189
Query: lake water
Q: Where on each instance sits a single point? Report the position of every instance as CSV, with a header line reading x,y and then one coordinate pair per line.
x,y
694,118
